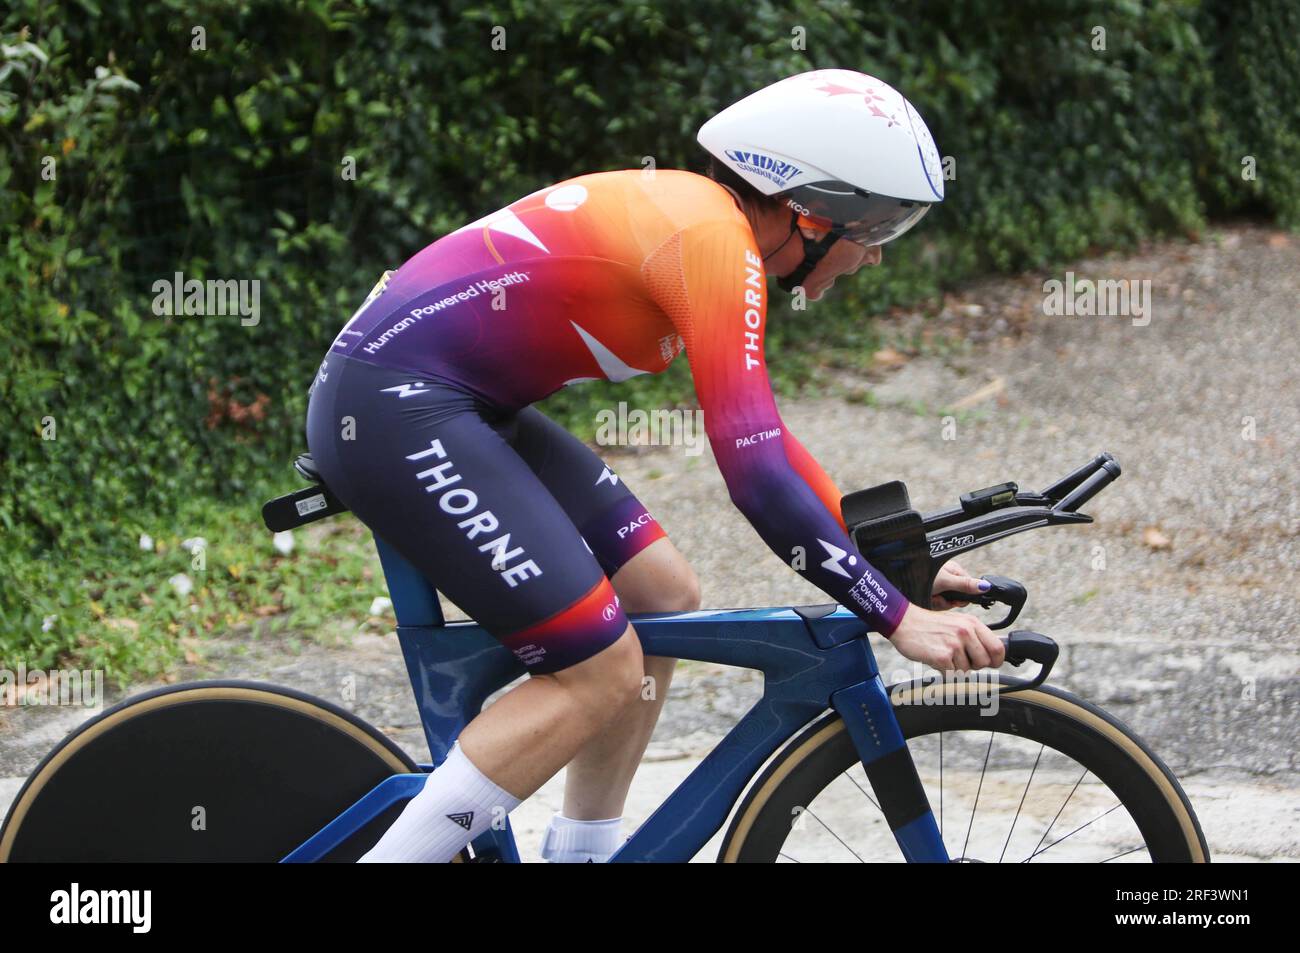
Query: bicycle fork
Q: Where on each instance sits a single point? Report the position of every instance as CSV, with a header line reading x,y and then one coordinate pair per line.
x,y
870,719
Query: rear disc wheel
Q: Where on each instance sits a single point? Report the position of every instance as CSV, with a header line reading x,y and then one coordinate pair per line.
x,y
205,771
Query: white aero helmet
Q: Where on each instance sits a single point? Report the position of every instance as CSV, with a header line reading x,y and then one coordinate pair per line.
x,y
845,151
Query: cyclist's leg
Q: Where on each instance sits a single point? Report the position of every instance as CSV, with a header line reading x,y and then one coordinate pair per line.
x,y
616,525
598,778
649,575
416,461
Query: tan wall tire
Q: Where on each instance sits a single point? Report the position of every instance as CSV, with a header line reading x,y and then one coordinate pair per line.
x,y
824,750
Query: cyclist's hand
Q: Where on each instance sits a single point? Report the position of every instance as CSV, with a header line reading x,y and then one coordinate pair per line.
x,y
953,577
947,641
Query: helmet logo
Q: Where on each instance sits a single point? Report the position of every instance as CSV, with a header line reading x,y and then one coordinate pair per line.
x,y
871,97
758,164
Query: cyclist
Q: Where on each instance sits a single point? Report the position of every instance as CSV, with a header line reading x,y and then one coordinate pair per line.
x,y
420,420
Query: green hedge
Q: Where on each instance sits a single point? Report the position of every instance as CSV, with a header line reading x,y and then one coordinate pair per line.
x,y
227,161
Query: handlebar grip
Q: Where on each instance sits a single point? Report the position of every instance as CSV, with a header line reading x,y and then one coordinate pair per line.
x,y
1070,481
1024,645
1090,487
1001,589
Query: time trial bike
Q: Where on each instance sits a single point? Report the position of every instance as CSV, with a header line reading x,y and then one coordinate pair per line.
x,y
830,764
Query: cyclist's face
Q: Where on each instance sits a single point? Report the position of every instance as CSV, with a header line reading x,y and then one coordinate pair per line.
x,y
844,258
786,252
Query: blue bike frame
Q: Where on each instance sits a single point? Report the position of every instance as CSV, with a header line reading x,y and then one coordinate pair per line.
x,y
810,661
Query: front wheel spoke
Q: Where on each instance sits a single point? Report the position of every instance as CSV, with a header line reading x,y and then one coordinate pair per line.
x,y
809,812
1133,850
865,792
1073,832
941,785
1019,807
1056,817
980,787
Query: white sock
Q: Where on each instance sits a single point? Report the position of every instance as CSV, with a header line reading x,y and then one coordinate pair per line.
x,y
457,803
567,841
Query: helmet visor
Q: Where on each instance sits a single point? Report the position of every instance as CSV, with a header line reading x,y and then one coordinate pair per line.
x,y
860,216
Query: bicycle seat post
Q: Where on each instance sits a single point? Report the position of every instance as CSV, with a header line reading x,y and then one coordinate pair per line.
x,y
415,601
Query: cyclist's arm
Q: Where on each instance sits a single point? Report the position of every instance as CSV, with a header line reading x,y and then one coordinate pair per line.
x,y
813,474
709,279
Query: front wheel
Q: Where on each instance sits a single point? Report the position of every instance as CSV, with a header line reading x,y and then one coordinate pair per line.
x,y
207,771
1045,777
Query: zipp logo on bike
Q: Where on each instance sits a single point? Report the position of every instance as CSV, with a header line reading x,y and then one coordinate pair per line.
x,y
944,545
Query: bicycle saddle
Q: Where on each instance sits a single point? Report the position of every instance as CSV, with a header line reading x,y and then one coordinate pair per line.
x,y
306,468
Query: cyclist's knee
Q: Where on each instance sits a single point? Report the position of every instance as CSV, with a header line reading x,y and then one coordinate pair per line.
x,y
686,596
682,596
621,670
610,680
658,579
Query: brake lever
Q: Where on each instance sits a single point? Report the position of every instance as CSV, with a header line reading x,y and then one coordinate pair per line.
x,y
1023,645
1019,647
1001,589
